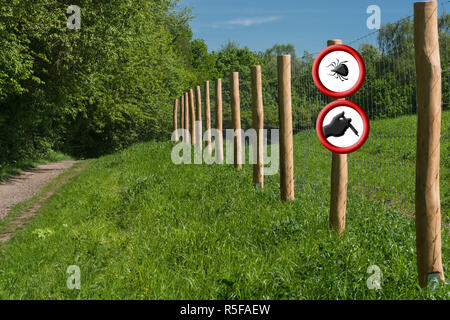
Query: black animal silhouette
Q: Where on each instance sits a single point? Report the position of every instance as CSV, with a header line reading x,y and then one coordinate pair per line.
x,y
340,70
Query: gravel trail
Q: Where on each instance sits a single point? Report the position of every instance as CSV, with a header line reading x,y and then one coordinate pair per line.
x,y
26,185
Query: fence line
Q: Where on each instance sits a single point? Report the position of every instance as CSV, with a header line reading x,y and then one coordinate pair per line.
x,y
186,117
285,120
175,122
207,118
428,210
258,124
182,117
385,172
192,115
338,183
236,119
198,118
219,142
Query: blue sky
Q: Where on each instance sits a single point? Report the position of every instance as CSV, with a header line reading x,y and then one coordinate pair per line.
x,y
259,24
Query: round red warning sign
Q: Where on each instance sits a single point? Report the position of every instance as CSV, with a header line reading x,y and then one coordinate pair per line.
x,y
342,126
338,71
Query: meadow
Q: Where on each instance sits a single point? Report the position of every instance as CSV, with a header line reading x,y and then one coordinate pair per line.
x,y
140,227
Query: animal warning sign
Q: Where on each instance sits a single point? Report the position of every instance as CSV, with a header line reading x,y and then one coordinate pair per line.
x,y
338,71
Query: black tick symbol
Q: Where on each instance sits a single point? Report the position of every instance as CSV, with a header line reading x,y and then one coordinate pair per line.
x,y
340,70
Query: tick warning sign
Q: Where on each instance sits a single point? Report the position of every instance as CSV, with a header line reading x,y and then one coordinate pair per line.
x,y
342,126
338,71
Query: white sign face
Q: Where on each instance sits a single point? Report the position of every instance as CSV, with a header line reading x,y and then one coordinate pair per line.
x,y
343,126
339,71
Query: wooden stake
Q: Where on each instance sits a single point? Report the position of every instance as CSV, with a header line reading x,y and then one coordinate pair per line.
x,y
236,119
258,125
208,118
192,115
198,118
186,117
175,120
339,180
219,142
182,117
285,119
429,99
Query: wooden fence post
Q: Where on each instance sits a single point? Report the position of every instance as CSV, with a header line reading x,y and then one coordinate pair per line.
x,y
186,117
236,119
182,117
219,141
175,119
198,118
192,115
429,99
208,118
339,180
258,125
285,119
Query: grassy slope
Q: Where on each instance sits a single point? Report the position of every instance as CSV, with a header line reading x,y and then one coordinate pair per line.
x,y
140,227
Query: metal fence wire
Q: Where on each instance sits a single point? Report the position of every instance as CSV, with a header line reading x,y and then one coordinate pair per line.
x,y
383,171
382,174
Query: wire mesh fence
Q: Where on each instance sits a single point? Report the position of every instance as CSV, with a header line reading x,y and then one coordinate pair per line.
x,y
382,174
384,168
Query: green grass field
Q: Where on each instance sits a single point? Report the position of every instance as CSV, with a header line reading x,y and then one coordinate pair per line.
x,y
140,227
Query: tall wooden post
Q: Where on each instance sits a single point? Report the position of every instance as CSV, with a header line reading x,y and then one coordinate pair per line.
x,y
285,119
236,119
429,99
198,118
186,117
219,141
258,125
182,117
175,120
208,118
339,180
192,115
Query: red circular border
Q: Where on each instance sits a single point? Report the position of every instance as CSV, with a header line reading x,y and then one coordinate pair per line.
x,y
328,108
352,90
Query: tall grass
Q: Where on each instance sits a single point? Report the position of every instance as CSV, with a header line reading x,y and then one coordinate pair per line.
x,y
140,227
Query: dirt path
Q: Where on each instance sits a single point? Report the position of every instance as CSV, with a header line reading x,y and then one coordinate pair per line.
x,y
26,185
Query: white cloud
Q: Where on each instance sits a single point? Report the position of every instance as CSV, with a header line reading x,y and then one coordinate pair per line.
x,y
247,22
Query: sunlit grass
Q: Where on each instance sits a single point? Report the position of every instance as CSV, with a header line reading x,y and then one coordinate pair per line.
x,y
140,227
